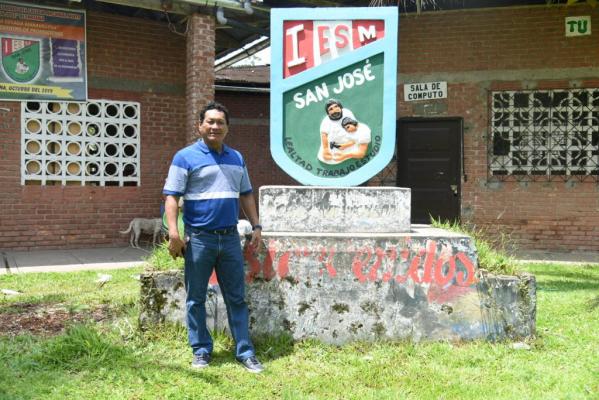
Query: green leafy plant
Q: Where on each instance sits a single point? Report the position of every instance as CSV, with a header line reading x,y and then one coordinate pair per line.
x,y
491,255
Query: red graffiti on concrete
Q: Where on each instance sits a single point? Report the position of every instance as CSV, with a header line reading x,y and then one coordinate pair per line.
x,y
256,267
328,263
426,266
362,260
440,295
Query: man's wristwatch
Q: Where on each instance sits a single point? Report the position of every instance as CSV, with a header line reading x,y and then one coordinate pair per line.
x,y
257,226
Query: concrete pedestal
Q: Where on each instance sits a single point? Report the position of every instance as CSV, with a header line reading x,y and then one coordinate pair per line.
x,y
308,282
335,210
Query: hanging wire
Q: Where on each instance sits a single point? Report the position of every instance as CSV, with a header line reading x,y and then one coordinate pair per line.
x,y
420,4
172,27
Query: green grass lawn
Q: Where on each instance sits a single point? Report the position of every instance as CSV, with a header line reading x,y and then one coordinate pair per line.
x,y
109,358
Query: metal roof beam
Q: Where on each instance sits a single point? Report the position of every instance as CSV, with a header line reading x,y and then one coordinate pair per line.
x,y
184,7
156,5
240,54
227,4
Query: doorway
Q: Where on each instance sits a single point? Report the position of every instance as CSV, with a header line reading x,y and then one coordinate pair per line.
x,y
429,162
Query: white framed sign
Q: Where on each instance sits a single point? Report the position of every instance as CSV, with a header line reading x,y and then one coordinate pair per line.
x,y
43,53
578,26
333,92
424,91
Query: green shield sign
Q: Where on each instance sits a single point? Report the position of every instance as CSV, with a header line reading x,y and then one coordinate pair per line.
x,y
358,89
333,93
21,58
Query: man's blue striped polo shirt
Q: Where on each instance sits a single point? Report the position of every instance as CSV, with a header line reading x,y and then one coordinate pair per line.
x,y
210,184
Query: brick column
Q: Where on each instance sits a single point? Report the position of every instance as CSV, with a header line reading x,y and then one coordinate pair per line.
x,y
200,69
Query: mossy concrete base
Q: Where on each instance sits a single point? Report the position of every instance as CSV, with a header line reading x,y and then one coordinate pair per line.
x,y
509,305
338,288
163,301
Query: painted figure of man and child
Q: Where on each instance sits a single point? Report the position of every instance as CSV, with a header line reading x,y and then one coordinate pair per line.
x,y
341,135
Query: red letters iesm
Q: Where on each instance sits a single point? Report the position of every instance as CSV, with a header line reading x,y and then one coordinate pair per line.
x,y
311,43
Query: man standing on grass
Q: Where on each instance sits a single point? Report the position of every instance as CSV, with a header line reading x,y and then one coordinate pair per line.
x,y
213,180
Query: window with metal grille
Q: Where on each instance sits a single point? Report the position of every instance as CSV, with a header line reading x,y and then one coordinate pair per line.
x,y
88,144
545,134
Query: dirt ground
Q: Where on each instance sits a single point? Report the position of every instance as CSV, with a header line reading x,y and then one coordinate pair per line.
x,y
45,319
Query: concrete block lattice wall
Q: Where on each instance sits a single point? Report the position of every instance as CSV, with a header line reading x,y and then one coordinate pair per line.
x,y
129,59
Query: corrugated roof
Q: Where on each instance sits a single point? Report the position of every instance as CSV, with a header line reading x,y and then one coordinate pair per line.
x,y
258,75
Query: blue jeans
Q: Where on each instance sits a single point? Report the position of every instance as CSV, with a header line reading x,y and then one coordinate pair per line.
x,y
207,251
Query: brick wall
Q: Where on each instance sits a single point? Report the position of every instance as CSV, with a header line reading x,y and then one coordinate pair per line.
x,y
475,52
506,49
250,134
490,39
128,59
200,69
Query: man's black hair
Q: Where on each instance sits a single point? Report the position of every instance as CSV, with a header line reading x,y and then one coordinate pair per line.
x,y
214,105
330,102
348,121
